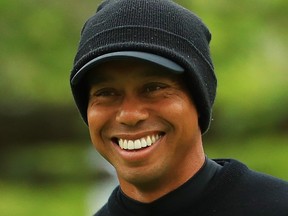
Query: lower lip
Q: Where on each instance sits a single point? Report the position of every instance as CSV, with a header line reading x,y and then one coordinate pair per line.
x,y
138,154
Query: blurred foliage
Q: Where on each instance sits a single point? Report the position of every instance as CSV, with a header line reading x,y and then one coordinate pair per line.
x,y
38,41
49,200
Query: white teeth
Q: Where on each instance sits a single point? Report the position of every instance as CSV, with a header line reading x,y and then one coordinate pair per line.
x,y
125,144
153,139
143,143
149,141
139,143
130,145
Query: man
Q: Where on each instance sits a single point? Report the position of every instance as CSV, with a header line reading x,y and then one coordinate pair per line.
x,y
144,82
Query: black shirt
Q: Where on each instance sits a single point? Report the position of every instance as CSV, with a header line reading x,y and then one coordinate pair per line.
x,y
223,187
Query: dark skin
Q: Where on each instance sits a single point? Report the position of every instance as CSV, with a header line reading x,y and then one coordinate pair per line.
x,y
142,120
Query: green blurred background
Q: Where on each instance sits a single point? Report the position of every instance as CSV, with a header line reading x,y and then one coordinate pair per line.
x,y
47,164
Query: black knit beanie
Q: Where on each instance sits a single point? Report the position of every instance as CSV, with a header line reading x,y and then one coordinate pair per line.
x,y
159,27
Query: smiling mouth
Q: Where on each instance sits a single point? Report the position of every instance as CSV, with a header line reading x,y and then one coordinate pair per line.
x,y
137,144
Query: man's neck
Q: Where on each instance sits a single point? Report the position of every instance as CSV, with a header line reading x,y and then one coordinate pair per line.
x,y
153,190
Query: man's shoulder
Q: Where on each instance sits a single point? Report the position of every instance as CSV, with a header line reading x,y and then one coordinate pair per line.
x,y
251,178
238,190
266,186
252,188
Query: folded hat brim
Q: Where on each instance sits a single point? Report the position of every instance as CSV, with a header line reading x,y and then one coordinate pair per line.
x,y
148,57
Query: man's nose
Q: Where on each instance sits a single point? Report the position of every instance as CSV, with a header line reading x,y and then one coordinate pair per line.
x,y
131,112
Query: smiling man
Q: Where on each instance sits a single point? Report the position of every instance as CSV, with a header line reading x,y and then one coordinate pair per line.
x,y
144,83
143,121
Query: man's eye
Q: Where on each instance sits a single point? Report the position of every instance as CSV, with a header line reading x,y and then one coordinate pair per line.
x,y
151,87
106,92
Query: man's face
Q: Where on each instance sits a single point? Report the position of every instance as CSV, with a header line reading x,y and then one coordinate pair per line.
x,y
142,120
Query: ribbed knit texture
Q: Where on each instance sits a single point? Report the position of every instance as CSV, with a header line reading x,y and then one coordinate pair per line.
x,y
155,26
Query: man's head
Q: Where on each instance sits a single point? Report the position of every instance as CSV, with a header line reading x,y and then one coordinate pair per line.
x,y
157,31
142,120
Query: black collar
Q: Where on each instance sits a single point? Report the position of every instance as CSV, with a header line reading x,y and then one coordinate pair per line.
x,y
176,201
